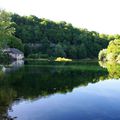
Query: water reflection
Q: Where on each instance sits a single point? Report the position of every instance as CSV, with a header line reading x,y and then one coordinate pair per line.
x,y
13,66
36,80
113,69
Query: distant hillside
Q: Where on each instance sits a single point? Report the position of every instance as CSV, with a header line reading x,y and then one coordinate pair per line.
x,y
43,37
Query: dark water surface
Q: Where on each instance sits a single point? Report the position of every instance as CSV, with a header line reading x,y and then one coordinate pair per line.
x,y
59,91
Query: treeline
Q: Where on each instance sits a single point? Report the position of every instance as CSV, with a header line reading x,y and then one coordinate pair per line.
x,y
45,38
40,38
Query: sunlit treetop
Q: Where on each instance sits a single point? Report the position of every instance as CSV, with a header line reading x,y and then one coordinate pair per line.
x,y
114,47
5,23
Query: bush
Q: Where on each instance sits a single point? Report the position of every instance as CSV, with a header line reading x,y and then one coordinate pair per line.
x,y
102,55
112,57
112,52
114,47
118,59
14,42
4,58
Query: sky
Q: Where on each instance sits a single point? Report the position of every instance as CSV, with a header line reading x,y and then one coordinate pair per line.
x,y
102,16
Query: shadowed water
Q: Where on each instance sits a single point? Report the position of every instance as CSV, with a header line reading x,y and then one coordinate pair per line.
x,y
39,90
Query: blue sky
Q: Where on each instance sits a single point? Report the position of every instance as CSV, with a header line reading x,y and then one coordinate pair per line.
x,y
98,15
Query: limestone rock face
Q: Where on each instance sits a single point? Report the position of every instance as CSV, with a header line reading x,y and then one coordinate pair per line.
x,y
14,53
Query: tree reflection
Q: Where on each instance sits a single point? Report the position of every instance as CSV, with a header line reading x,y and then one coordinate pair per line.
x,y
113,69
36,81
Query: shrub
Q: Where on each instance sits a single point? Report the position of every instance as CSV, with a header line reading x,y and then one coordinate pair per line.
x,y
118,59
102,55
112,52
4,58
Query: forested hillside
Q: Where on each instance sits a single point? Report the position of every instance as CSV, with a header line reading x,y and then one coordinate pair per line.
x,y
45,38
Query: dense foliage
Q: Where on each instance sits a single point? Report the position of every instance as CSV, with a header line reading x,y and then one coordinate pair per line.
x,y
112,53
7,38
42,36
4,58
112,67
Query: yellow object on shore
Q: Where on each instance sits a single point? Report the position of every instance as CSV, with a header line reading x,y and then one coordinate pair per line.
x,y
60,59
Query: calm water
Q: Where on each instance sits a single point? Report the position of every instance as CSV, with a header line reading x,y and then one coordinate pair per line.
x,y
37,90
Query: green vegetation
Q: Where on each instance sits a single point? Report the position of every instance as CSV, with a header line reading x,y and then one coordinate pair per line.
x,y
48,79
58,39
42,38
102,55
38,56
110,58
4,58
112,67
7,38
112,53
114,70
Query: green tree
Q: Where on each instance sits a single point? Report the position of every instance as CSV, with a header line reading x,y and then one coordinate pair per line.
x,y
5,28
7,31
112,52
59,51
74,42
5,23
82,52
